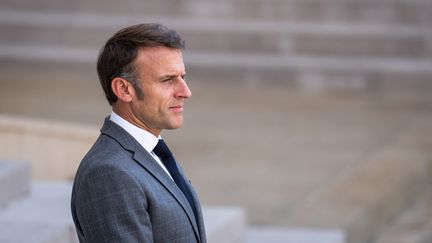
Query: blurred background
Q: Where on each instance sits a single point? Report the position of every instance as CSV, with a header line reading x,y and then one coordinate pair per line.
x,y
307,114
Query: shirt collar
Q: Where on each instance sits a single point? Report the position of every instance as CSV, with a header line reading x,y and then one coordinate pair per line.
x,y
145,138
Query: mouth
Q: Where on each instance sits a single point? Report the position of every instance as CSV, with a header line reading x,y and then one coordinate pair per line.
x,y
177,108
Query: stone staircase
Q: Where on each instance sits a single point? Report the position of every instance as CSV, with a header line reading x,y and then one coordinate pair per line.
x,y
308,45
369,11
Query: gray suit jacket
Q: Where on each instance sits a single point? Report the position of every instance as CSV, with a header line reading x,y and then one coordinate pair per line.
x,y
121,194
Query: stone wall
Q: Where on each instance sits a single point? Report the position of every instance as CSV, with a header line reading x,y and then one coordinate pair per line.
x,y
54,149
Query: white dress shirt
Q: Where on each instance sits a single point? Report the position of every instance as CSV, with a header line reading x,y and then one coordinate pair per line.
x,y
147,140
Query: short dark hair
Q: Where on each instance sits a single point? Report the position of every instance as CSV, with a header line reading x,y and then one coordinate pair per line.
x,y
118,54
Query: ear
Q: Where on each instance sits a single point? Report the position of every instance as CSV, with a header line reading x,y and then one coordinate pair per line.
x,y
122,89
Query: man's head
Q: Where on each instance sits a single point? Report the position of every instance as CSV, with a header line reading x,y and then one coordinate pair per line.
x,y
116,59
142,72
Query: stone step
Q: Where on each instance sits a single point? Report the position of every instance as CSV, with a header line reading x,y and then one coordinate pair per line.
x,y
310,72
216,35
225,224
279,235
33,233
14,181
46,207
304,72
45,217
361,201
388,11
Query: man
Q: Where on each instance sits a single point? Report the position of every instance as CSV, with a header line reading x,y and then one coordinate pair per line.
x,y
128,187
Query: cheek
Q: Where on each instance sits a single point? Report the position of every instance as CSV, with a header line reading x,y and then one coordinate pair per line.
x,y
156,106
163,100
158,100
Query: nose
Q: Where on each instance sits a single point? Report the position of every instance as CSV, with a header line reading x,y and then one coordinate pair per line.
x,y
183,90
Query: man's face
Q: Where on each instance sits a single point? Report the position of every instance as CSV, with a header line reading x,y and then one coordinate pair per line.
x,y
161,72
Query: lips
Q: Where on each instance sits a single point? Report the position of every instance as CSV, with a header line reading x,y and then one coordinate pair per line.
x,y
177,108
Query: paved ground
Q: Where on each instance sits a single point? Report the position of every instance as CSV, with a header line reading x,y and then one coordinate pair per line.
x,y
267,149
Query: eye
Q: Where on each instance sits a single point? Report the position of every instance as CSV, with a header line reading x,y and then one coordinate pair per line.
x,y
168,79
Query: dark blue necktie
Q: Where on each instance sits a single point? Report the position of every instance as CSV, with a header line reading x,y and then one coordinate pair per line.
x,y
163,152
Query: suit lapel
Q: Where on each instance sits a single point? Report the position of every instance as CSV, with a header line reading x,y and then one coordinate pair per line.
x,y
147,161
200,219
142,157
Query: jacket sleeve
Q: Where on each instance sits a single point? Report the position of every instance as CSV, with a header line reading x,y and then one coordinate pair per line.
x,y
111,206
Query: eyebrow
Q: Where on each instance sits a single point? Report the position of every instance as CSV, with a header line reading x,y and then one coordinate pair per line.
x,y
171,76
167,77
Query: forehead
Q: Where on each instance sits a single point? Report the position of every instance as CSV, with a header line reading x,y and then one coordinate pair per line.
x,y
159,61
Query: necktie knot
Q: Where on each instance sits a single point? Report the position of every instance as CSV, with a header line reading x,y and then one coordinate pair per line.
x,y
162,150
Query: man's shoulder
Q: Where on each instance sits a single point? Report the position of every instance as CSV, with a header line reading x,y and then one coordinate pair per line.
x,y
104,155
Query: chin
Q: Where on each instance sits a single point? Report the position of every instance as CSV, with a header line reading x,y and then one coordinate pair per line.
x,y
177,126
174,126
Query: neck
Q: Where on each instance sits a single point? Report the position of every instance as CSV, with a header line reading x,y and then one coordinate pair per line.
x,y
129,117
